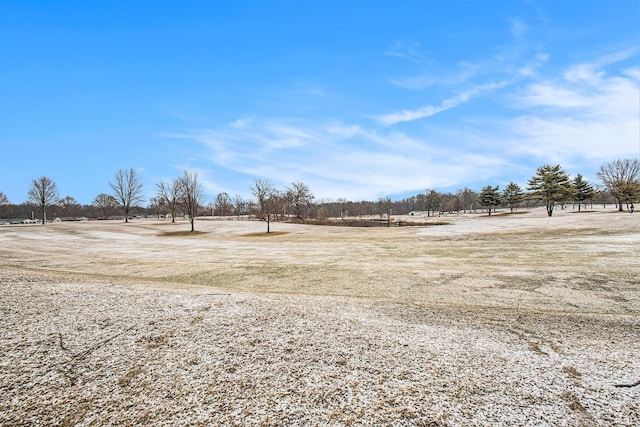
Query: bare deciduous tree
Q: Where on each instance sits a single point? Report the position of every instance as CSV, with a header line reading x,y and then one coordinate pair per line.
x,y
191,193
433,200
454,204
70,207
43,193
468,199
278,202
4,203
127,189
239,205
621,177
106,204
300,197
158,205
263,190
170,193
342,203
384,209
223,203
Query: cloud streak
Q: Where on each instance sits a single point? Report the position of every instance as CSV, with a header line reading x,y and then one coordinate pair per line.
x,y
431,110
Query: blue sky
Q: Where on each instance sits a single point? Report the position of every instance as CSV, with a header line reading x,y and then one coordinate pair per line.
x,y
358,99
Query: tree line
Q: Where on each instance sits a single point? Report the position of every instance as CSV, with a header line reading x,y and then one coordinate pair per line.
x,y
184,196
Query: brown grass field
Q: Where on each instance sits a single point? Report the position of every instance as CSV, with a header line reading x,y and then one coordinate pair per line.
x,y
502,320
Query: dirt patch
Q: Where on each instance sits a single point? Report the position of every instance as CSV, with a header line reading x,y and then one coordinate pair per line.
x,y
265,234
181,233
510,213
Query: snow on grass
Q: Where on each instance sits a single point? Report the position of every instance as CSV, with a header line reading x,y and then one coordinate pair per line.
x,y
487,324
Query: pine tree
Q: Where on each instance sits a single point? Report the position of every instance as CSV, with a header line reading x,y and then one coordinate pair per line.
x,y
512,195
490,197
551,185
582,190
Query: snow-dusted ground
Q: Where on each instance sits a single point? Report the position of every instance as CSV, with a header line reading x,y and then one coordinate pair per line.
x,y
514,320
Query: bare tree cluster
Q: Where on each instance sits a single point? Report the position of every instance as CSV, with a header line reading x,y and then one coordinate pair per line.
x,y
69,207
183,194
106,204
622,178
299,198
223,204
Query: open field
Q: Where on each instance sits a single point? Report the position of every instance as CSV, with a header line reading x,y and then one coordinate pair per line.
x,y
502,320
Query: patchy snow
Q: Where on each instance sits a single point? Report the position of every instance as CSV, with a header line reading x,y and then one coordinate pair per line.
x,y
515,320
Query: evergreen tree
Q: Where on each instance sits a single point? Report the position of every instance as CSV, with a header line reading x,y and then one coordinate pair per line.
x,y
512,195
582,190
551,185
490,197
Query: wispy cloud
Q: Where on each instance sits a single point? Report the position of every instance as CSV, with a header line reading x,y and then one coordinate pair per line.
x,y
510,67
437,76
241,123
518,27
338,159
430,110
409,51
311,90
515,59
530,68
633,72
